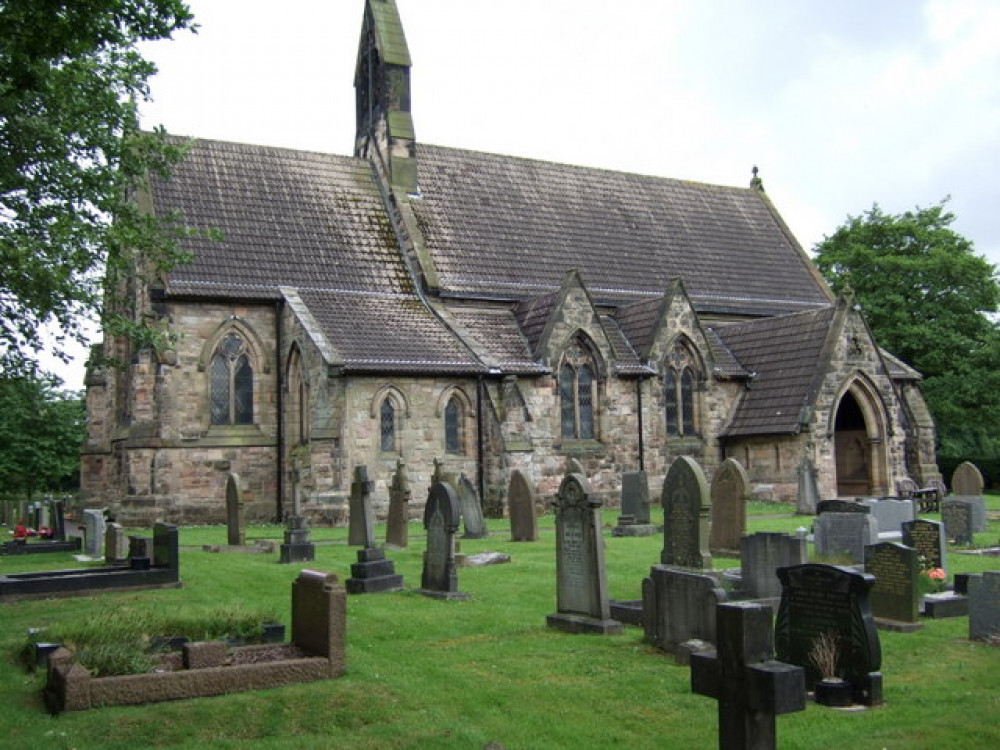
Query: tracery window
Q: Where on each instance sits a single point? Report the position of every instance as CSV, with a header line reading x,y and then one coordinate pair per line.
x,y
680,393
387,425
577,394
232,382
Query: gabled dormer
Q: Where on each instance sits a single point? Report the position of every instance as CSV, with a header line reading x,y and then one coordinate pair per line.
x,y
382,87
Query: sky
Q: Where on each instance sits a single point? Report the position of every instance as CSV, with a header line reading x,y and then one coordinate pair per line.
x,y
839,104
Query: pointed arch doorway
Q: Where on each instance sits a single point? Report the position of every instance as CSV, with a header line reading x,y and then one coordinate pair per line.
x,y
859,443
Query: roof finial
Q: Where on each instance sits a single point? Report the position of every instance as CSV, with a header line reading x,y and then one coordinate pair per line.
x,y
755,182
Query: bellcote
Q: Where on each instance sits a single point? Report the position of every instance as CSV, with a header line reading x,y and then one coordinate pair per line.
x,y
382,86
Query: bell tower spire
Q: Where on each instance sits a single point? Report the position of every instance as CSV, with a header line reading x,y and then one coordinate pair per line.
x,y
382,86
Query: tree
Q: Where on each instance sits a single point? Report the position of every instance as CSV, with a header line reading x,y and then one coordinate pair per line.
x,y
71,158
931,301
41,429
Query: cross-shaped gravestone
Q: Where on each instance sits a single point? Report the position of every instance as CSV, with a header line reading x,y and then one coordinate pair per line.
x,y
750,687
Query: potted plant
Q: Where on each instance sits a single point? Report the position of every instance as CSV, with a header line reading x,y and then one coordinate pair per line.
x,y
830,689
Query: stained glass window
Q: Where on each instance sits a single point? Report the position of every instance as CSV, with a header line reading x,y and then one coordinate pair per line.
x,y
567,400
231,381
387,425
452,426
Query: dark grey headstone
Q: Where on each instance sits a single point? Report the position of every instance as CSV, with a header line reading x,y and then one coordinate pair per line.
x,y
841,506
296,547
818,599
116,545
94,526
927,538
472,510
895,595
442,516
730,492
581,583
967,480
761,555
808,491
984,606
635,496
686,510
844,534
977,510
165,549
361,522
397,530
523,519
957,516
234,512
891,513
679,606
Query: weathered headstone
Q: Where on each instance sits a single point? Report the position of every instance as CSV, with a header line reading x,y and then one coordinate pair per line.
x,y
472,511
165,549
140,552
59,520
967,480
442,516
361,523
751,688
523,519
94,526
686,509
836,534
319,617
761,555
235,523
297,547
891,513
828,599
679,606
581,581
116,545
895,597
808,494
634,519
397,528
927,538
841,506
573,466
730,491
984,606
956,514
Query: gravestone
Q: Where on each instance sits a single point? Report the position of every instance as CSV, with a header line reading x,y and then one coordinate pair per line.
x,y
956,514
581,583
841,506
296,547
836,534
523,519
140,552
94,526
730,492
165,551
686,509
891,513
761,555
895,596
116,544
235,523
829,599
472,511
927,538
634,519
741,674
59,520
977,510
679,606
573,466
808,494
967,480
397,528
984,606
319,617
361,523
442,516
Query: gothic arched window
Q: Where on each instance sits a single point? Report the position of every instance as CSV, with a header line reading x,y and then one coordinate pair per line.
x,y
453,426
387,425
680,380
577,395
232,382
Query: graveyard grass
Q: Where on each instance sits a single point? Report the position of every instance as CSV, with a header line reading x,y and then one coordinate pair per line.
x,y
423,673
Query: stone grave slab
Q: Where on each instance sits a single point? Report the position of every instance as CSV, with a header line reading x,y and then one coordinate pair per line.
x,y
927,538
397,533
679,606
442,516
634,519
686,516
808,489
116,546
94,527
761,555
361,519
836,533
967,480
956,515
895,596
828,599
521,500
235,521
472,510
730,491
581,581
984,606
891,513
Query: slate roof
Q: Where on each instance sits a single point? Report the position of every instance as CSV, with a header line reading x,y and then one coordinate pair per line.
x,y
784,354
496,331
638,322
292,218
627,362
500,226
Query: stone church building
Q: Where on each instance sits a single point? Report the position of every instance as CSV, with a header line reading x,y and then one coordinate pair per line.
x,y
413,303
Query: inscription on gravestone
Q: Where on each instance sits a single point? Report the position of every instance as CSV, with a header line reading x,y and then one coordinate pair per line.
x,y
927,538
439,578
686,509
957,518
895,595
730,490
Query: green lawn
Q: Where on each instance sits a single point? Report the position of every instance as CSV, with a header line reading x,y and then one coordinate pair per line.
x,y
424,673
